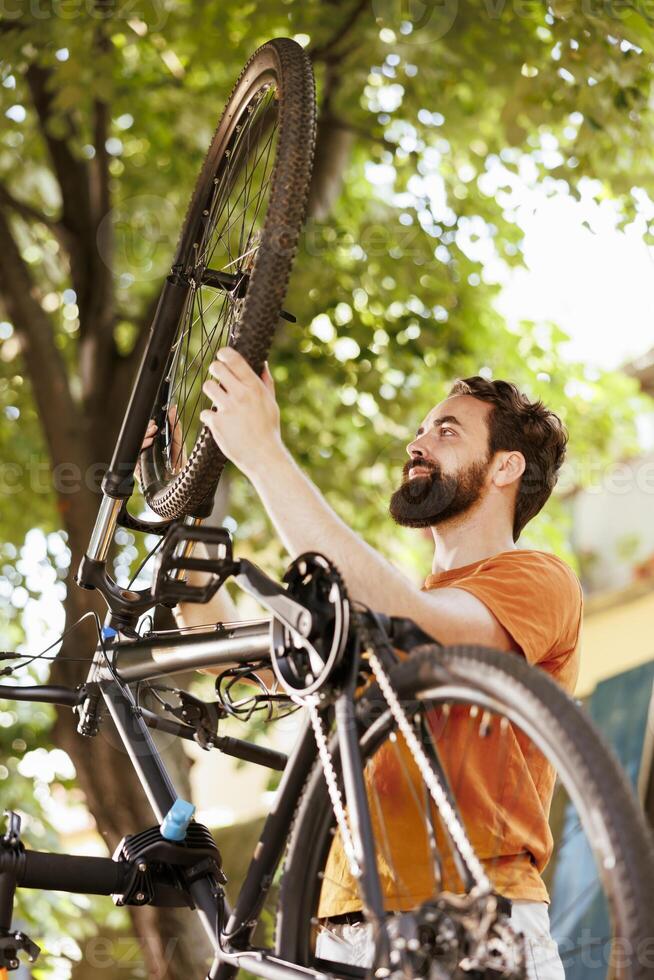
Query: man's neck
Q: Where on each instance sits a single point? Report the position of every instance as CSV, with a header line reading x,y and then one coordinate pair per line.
x,y
455,547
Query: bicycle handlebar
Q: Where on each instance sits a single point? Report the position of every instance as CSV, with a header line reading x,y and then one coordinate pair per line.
x,y
68,697
65,872
87,876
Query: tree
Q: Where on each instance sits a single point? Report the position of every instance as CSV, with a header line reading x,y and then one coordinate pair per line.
x,y
424,117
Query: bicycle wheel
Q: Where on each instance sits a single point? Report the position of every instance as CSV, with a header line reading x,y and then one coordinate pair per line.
x,y
470,705
235,254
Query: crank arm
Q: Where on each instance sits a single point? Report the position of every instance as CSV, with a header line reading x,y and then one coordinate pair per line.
x,y
273,596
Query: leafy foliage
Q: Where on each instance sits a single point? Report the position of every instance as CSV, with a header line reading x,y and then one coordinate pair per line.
x,y
394,288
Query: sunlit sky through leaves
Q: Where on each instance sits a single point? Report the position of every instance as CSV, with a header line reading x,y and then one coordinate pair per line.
x,y
581,272
595,282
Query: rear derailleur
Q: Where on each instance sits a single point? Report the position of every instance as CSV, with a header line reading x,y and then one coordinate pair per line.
x,y
466,937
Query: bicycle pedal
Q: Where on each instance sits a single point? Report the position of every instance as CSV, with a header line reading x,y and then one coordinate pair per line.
x,y
176,558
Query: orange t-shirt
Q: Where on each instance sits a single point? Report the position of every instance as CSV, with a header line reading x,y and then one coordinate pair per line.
x,y
502,783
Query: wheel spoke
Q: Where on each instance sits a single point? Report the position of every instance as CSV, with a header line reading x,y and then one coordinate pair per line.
x,y
210,346
219,235
504,808
224,237
384,844
201,369
424,811
233,216
577,902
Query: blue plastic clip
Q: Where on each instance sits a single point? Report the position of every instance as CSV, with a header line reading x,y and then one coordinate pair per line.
x,y
174,825
108,632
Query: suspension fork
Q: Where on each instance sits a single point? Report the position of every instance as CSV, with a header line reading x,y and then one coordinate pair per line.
x,y
118,481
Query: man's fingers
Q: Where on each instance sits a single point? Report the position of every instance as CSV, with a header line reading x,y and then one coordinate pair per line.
x,y
210,419
173,416
215,392
222,372
236,363
150,433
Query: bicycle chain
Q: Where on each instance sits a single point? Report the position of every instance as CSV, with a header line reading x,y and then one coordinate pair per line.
x,y
332,784
454,826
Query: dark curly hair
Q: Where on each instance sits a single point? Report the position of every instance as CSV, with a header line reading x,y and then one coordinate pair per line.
x,y
528,427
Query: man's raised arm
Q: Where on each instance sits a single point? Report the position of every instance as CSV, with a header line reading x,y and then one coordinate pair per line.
x,y
246,427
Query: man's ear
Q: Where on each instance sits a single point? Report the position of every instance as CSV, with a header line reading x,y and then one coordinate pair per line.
x,y
512,466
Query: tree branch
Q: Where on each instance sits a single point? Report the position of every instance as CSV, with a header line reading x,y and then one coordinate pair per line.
x,y
45,366
32,215
85,193
326,52
73,179
99,170
97,348
26,211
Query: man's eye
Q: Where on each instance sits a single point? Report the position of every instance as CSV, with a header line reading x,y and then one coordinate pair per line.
x,y
443,429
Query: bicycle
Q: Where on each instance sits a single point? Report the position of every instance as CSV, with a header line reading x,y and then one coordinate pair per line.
x,y
372,687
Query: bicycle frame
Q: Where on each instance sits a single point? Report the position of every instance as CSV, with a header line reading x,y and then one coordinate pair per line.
x,y
130,661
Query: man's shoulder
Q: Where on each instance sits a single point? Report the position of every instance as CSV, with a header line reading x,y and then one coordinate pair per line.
x,y
530,556
530,560
538,599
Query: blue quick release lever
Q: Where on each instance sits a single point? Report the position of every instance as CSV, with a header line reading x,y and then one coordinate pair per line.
x,y
175,824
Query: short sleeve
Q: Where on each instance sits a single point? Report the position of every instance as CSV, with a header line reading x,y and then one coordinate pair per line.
x,y
535,596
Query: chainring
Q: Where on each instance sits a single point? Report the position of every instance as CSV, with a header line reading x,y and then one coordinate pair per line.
x,y
303,664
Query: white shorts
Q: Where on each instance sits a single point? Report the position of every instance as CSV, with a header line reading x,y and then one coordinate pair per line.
x,y
354,943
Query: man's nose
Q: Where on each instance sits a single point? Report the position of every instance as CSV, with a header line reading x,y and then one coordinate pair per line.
x,y
415,449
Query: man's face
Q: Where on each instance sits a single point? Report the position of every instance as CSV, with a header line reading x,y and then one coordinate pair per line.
x,y
449,462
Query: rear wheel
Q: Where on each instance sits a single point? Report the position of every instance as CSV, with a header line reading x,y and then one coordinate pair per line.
x,y
472,707
235,254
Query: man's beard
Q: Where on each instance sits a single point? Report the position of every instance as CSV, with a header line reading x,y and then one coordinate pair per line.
x,y
433,498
